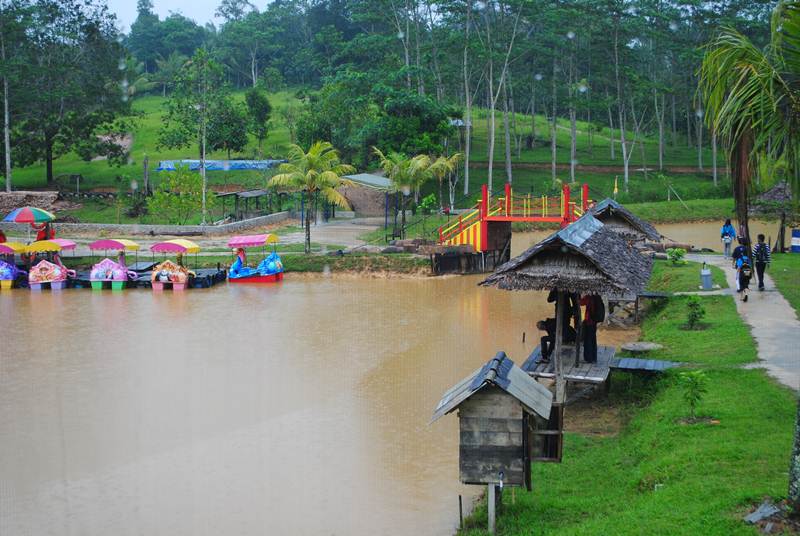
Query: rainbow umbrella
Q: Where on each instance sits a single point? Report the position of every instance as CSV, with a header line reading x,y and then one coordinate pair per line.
x,y
29,215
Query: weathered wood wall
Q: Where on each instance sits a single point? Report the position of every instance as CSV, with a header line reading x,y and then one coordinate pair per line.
x,y
491,438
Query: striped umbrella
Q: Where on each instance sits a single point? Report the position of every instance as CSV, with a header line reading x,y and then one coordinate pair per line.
x,y
29,215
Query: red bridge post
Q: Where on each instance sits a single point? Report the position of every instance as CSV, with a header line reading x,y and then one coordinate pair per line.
x,y
585,198
508,199
566,213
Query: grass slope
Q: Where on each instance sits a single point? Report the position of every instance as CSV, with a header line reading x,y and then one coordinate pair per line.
x,y
660,476
668,277
785,271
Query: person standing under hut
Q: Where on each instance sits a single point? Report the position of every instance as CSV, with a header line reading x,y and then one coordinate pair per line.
x,y
595,312
727,235
761,254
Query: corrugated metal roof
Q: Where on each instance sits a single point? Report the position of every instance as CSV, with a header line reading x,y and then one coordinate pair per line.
x,y
373,181
580,231
650,365
501,372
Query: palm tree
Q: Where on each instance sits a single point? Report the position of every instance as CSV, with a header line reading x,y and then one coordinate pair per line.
x,y
317,172
168,69
406,174
752,99
441,168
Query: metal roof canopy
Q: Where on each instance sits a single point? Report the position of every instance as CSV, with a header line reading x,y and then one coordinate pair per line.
x,y
372,181
501,372
244,193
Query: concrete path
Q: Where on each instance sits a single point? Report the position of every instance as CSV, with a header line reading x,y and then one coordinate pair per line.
x,y
772,320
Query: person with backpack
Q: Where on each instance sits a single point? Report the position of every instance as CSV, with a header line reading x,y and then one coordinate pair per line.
x,y
595,313
739,252
727,235
761,254
744,271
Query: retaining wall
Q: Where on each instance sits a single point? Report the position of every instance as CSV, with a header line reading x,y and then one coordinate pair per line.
x,y
113,229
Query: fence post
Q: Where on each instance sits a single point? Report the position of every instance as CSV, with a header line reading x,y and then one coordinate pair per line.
x,y
508,198
585,195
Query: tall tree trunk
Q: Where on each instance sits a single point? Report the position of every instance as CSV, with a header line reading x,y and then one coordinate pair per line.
x,y
573,142
533,111
253,68
6,131
700,143
420,79
621,112
553,128
48,158
467,101
674,123
659,105
308,224
689,126
507,133
611,136
741,174
714,156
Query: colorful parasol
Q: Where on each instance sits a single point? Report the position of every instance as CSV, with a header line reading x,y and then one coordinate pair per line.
x,y
12,248
249,241
29,215
56,244
117,244
178,245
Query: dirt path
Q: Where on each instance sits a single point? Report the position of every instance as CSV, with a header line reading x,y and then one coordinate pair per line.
x,y
772,320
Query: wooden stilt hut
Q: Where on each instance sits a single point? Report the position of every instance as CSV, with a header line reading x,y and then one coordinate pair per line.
x,y
624,222
586,258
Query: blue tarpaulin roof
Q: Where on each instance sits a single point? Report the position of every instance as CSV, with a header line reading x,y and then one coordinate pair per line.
x,y
219,165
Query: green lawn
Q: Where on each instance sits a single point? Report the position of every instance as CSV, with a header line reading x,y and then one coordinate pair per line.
x,y
662,477
785,271
659,475
668,277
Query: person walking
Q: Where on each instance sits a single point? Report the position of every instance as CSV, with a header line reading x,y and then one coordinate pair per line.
x,y
727,235
744,271
761,254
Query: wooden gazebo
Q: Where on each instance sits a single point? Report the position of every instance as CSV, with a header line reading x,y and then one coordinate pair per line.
x,y
587,257
624,222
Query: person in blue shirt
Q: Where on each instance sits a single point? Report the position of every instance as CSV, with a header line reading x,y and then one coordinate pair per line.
x,y
744,271
727,235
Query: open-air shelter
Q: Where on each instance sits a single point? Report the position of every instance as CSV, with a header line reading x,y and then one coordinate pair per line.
x,y
587,257
624,222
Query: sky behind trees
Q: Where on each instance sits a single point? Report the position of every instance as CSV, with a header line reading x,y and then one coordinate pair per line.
x,y
202,11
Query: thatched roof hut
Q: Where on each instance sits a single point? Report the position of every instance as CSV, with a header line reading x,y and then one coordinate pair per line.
x,y
622,221
586,257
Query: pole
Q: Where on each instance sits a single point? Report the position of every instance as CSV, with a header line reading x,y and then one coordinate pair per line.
x,y
561,391
491,508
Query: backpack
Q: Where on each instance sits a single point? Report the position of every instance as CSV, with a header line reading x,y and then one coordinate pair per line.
x,y
761,253
746,270
598,310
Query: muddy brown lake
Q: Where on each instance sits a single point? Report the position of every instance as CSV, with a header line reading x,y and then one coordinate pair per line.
x,y
301,408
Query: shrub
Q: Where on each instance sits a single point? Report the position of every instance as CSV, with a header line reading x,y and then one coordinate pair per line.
x,y
428,203
694,387
676,255
694,313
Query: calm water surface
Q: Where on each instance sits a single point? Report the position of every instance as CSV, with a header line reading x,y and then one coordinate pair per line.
x,y
301,408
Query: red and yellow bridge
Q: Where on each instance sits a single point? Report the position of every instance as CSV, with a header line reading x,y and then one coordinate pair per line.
x,y
472,227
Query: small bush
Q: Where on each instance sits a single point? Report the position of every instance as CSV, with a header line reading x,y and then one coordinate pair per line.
x,y
694,313
428,204
676,255
694,388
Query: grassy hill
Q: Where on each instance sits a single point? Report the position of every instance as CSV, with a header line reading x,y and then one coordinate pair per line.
x,y
527,177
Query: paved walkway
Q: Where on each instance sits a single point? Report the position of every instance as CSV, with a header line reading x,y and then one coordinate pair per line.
x,y
773,322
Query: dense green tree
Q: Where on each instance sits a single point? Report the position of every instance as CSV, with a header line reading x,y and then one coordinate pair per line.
x,y
179,197
145,37
168,70
259,111
73,86
227,130
199,94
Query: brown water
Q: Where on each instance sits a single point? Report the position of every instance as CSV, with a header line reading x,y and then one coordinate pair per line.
x,y
698,234
295,409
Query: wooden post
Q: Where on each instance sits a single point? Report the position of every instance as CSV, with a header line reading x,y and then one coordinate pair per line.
x,y
576,314
561,391
491,507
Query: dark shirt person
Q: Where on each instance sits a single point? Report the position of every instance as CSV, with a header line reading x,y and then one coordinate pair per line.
x,y
548,325
763,257
739,252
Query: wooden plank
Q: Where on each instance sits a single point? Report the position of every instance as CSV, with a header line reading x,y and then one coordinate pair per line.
x,y
490,439
484,424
